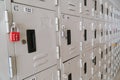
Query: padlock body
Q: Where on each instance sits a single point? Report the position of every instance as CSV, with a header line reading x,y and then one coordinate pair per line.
x,y
14,36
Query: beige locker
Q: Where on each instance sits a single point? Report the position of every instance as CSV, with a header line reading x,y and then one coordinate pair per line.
x,y
87,40
50,73
69,37
71,7
45,4
71,69
35,49
86,66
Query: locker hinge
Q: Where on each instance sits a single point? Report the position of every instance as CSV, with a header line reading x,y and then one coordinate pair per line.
x,y
81,26
58,52
57,24
11,67
58,74
6,21
56,2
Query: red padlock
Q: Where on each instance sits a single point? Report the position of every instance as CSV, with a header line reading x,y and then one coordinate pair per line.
x,y
14,34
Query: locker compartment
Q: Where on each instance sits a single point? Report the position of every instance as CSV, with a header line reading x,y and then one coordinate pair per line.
x,y
35,47
51,74
102,32
94,8
47,4
96,33
86,8
102,8
106,9
95,77
86,66
102,54
69,36
87,37
107,32
95,59
71,69
71,7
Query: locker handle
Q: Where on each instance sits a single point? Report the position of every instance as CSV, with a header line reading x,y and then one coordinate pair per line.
x,y
31,41
95,5
85,2
85,35
95,34
102,8
85,68
70,76
68,37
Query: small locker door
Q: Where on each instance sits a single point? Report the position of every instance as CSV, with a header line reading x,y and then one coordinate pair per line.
x,y
36,49
87,37
69,34
70,7
47,4
71,70
48,74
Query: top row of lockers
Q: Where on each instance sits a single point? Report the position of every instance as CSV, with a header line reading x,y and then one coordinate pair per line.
x,y
91,8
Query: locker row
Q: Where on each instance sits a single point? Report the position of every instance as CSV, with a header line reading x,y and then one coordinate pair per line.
x,y
59,40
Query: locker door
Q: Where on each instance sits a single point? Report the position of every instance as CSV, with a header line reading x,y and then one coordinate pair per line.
x,y
87,35
69,42
86,66
70,7
48,74
47,4
36,49
71,69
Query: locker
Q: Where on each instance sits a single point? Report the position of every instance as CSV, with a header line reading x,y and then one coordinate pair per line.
x,y
96,33
86,66
102,8
87,39
71,69
106,9
94,8
69,34
35,47
95,77
71,7
47,4
51,74
102,54
102,32
96,59
86,8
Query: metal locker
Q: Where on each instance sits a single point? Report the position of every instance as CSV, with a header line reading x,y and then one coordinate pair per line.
x,y
96,59
94,8
71,69
102,32
47,4
102,53
87,37
35,49
96,33
86,69
86,8
69,34
71,7
102,8
95,77
51,74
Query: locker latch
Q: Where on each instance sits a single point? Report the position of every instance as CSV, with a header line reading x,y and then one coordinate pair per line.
x,y
14,33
